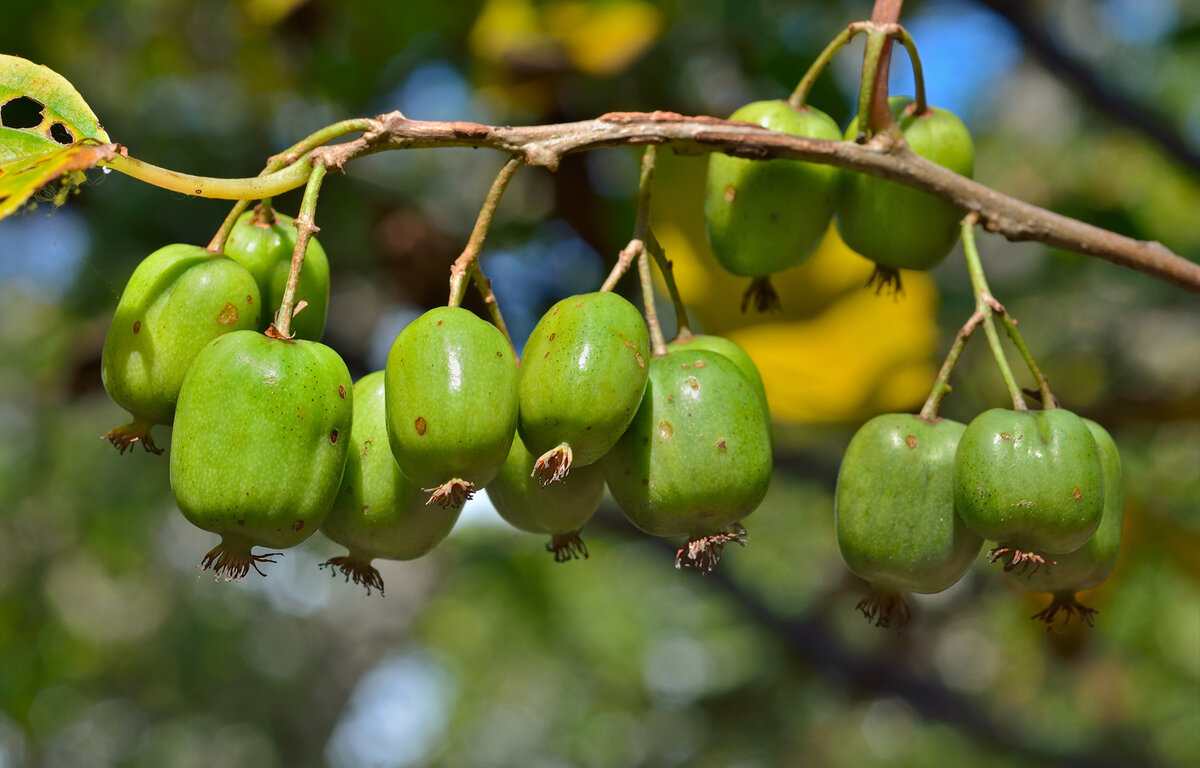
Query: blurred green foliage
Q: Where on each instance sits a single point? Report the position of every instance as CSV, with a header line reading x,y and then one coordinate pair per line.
x,y
115,650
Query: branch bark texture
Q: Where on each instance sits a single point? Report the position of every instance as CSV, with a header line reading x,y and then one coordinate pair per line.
x,y
546,145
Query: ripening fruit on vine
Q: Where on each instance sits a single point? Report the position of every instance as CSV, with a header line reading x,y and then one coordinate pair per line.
x,y
1031,481
697,458
261,434
726,348
899,227
1094,561
894,512
583,372
265,248
178,299
451,391
379,512
765,216
557,509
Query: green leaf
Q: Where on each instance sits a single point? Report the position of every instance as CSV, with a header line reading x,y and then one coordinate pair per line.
x,y
46,130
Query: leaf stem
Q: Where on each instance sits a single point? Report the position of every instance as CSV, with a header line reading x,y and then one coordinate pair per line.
x,y
305,229
986,305
255,188
799,97
468,259
901,34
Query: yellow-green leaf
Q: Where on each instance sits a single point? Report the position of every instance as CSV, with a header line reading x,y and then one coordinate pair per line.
x,y
46,130
22,177
40,111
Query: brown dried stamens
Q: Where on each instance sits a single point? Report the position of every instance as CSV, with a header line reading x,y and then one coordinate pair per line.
x,y
1018,560
882,606
1070,606
450,495
762,295
356,568
704,553
234,560
567,546
553,465
886,280
136,431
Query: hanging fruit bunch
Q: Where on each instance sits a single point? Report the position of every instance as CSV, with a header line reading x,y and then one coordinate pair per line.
x,y
272,441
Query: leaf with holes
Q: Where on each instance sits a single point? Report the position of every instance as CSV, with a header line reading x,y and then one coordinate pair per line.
x,y
47,130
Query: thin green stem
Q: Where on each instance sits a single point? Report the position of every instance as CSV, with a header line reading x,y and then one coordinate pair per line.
x,y
799,97
641,223
683,326
256,188
901,34
305,228
462,266
872,81
657,342
986,304
217,244
484,286
1010,327
941,385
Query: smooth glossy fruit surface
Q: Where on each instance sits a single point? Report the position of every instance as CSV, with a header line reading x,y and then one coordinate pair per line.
x,y
897,226
583,372
379,512
726,348
697,457
558,509
178,299
261,435
451,392
894,511
1094,561
1031,481
764,216
266,250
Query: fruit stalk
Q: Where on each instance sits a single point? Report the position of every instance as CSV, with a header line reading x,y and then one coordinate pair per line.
x,y
657,342
941,385
879,119
468,261
901,34
283,159
641,224
874,83
305,229
986,305
799,97
255,188
683,326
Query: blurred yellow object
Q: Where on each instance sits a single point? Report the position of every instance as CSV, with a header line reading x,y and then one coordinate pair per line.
x,y
603,39
598,39
268,12
836,352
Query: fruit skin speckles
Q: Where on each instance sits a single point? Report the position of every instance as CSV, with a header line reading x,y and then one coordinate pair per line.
x,y
456,374
178,299
252,459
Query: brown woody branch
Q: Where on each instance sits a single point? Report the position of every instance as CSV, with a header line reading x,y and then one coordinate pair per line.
x,y
545,145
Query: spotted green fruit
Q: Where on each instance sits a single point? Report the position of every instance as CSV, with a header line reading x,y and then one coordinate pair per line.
x,y
265,248
896,226
260,443
764,216
697,458
583,372
1032,481
557,509
451,391
726,348
1091,564
894,512
379,512
178,299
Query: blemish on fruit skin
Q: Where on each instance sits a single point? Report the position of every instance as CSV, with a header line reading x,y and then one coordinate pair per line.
x,y
439,322
1075,494
721,445
693,383
241,522
640,360
341,391
228,315
551,337
249,299
910,441
333,436
297,525
420,425
700,364
665,429
1005,436
686,367
137,325
730,193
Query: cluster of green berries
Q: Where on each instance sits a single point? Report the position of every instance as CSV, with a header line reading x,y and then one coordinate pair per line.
x,y
767,216
915,501
272,440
